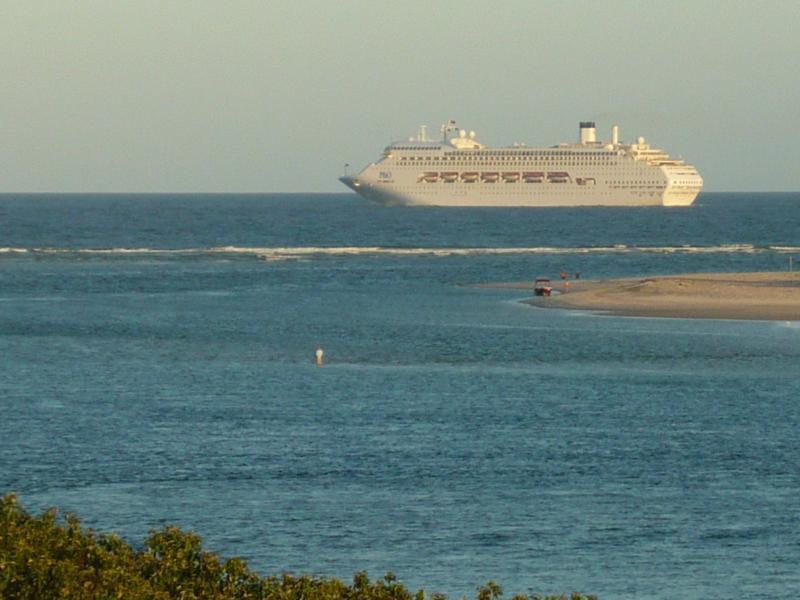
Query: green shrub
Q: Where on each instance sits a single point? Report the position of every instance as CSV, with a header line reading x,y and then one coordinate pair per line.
x,y
45,557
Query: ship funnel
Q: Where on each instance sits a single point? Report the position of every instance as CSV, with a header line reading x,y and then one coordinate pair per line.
x,y
588,132
615,135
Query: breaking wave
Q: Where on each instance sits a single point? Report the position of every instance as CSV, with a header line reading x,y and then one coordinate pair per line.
x,y
282,253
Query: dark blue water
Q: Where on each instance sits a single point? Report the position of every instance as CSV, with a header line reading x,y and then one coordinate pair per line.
x,y
157,367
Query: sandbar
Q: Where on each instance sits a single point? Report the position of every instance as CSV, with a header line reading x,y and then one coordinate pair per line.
x,y
746,296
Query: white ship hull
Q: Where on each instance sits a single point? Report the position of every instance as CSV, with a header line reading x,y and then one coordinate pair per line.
x,y
461,172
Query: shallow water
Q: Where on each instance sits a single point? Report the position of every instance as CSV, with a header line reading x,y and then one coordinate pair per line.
x,y
454,435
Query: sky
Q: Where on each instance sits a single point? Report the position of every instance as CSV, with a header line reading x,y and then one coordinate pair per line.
x,y
276,96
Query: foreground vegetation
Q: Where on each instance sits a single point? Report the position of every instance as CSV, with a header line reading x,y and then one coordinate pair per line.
x,y
50,557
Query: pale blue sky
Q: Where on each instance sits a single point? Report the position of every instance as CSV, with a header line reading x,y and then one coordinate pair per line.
x,y
274,96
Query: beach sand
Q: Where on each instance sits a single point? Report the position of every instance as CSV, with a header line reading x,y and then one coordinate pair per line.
x,y
747,296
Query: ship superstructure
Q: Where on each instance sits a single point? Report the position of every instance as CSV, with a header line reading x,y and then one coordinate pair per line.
x,y
457,170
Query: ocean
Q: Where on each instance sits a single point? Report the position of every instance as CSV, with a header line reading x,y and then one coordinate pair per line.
x,y
158,367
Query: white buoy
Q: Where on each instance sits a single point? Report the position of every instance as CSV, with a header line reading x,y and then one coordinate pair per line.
x,y
319,354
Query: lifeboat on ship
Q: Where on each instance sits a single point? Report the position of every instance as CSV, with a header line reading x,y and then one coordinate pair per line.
x,y
557,176
429,177
533,177
449,176
490,177
469,177
511,177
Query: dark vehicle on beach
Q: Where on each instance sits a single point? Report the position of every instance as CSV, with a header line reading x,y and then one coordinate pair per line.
x,y
541,287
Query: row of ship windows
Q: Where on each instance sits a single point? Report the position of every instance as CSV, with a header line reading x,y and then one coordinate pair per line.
x,y
640,181
561,182
527,191
531,177
482,166
638,187
538,153
579,181
608,161
493,153
615,169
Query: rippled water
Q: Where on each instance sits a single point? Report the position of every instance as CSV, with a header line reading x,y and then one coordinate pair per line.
x,y
158,368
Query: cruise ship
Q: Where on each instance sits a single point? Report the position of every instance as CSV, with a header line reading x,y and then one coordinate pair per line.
x,y
457,170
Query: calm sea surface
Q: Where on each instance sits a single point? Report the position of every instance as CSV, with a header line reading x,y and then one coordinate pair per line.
x,y
157,367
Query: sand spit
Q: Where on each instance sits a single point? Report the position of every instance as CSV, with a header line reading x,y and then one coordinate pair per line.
x,y
746,296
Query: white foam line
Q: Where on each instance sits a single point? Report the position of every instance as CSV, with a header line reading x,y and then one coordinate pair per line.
x,y
115,251
277,253
297,252
137,251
